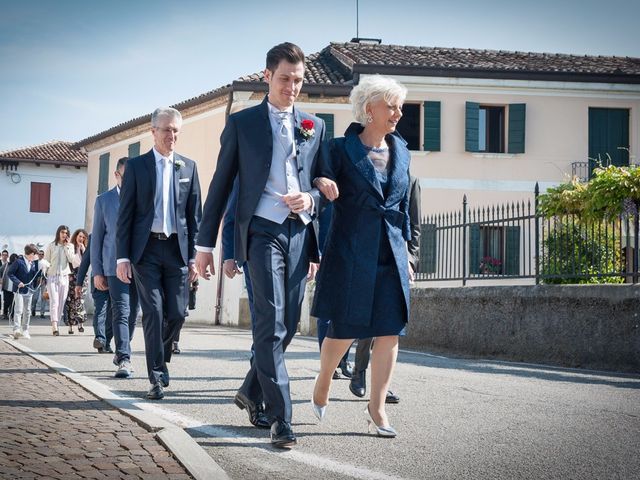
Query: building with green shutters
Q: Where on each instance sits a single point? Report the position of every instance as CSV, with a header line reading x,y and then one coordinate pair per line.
x,y
485,123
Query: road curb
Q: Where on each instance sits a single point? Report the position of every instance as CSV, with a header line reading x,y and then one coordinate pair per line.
x,y
184,448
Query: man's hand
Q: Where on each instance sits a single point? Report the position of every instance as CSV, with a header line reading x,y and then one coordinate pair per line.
x,y
327,187
100,282
123,272
411,273
193,273
78,290
230,268
298,201
313,269
204,264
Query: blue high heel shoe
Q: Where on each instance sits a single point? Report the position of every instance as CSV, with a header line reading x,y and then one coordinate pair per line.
x,y
318,411
387,432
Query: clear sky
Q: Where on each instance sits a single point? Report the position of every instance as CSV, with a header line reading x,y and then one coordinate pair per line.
x,y
72,68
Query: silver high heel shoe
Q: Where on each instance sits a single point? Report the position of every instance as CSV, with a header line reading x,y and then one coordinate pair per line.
x,y
318,411
388,432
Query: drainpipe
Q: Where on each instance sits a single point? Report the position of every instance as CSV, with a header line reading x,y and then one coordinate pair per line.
x,y
220,286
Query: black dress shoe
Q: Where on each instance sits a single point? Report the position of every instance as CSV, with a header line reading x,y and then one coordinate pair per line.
x,y
358,383
254,410
175,348
345,368
164,379
391,397
98,345
156,392
107,349
281,435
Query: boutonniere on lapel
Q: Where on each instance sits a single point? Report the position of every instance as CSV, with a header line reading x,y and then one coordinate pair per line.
x,y
178,164
306,129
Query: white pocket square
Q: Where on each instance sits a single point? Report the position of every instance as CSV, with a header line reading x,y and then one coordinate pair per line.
x,y
184,180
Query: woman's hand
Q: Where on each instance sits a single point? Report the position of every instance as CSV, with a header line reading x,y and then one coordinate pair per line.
x,y
327,187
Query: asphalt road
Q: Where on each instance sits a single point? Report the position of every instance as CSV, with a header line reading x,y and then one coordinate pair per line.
x,y
458,418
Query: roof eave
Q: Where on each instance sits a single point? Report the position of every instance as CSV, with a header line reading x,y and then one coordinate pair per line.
x,y
68,163
359,69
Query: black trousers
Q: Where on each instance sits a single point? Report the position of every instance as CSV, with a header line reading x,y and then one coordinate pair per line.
x,y
363,353
278,263
161,281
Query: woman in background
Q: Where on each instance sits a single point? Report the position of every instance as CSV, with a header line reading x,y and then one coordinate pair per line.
x,y
59,257
74,306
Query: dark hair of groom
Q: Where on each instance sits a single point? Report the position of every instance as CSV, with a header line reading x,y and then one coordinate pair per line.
x,y
284,51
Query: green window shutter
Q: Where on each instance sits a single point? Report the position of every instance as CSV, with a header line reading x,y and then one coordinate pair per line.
x,y
432,126
472,128
328,122
428,248
134,150
512,251
474,249
608,136
517,113
103,174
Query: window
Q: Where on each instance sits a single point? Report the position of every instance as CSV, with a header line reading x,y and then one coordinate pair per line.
x,y
40,197
134,150
103,174
328,124
409,125
491,129
494,250
486,128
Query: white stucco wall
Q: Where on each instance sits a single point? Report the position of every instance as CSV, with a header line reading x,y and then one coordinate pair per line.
x,y
19,226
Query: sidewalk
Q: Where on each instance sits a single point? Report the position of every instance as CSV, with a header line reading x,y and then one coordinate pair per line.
x,y
54,429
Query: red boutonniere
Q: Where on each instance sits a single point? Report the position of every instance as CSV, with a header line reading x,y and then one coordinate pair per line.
x,y
306,129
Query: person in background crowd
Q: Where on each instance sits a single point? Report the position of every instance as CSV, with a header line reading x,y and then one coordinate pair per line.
x,y
123,297
322,324
102,324
74,306
59,257
24,274
38,299
4,260
7,289
231,268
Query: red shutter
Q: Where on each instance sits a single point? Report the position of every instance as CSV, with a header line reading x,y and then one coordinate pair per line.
x,y
40,197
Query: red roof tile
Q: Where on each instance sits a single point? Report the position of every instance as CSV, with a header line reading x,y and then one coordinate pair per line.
x,y
54,152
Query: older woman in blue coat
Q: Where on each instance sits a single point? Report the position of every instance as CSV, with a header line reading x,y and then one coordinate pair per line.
x,y
363,282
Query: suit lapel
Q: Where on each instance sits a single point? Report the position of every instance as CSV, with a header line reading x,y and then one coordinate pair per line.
x,y
265,125
360,160
177,175
150,162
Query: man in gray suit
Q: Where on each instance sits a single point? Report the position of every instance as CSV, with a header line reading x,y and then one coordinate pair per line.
x,y
158,220
123,296
273,149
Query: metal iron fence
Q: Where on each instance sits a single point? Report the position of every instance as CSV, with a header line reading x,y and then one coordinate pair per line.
x,y
513,241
